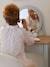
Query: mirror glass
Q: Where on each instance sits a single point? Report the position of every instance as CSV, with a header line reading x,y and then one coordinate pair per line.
x,y
31,19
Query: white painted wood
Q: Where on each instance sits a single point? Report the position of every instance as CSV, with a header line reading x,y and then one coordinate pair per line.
x,y
46,54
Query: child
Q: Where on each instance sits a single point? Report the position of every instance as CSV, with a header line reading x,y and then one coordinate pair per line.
x,y
33,21
12,37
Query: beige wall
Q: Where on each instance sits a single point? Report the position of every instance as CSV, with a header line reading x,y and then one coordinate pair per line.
x,y
43,5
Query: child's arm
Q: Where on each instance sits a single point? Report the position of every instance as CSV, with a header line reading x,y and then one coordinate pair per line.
x,y
29,38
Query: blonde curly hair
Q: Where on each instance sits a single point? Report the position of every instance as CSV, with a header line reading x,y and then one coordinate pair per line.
x,y
33,14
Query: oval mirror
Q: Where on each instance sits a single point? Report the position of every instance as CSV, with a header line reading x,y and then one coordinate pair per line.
x,y
32,19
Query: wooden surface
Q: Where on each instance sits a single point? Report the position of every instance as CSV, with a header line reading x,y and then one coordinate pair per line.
x,y
44,40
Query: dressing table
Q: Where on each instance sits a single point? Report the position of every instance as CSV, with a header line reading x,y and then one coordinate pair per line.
x,y
45,41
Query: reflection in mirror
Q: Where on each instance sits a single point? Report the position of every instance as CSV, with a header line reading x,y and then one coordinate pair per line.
x,y
31,20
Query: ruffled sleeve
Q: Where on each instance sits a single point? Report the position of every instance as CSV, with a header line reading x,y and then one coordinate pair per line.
x,y
29,38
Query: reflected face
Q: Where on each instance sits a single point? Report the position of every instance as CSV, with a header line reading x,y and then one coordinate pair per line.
x,y
31,18
33,14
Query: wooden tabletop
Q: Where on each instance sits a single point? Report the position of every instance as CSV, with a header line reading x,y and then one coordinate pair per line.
x,y
44,40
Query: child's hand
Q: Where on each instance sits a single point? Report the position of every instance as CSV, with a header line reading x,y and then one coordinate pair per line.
x,y
36,39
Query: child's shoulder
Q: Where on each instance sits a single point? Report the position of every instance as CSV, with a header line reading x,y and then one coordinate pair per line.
x,y
1,28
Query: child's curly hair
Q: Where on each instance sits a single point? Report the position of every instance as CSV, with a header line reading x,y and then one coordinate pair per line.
x,y
11,13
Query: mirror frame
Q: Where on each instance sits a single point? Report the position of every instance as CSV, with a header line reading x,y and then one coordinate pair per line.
x,y
39,13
